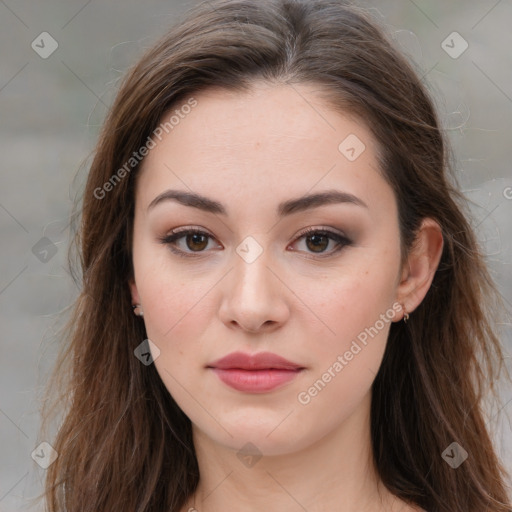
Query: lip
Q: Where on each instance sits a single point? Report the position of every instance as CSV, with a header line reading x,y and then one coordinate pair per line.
x,y
260,361
255,373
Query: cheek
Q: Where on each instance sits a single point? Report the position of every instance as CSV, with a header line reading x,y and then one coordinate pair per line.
x,y
354,349
353,299
174,308
347,359
176,318
357,307
174,300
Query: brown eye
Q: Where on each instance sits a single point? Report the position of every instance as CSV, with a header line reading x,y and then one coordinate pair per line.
x,y
196,242
318,242
186,242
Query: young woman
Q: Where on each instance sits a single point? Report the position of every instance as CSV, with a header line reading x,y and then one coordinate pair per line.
x,y
284,306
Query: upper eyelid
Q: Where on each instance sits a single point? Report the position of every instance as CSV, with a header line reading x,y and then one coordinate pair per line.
x,y
181,232
187,229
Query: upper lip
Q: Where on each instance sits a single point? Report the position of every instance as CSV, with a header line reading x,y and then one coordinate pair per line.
x,y
260,361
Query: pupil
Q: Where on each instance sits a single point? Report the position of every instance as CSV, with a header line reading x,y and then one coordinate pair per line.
x,y
195,240
315,239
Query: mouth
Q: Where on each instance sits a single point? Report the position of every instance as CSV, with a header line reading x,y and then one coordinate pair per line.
x,y
255,381
258,373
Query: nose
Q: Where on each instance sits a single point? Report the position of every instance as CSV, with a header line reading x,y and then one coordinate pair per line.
x,y
254,296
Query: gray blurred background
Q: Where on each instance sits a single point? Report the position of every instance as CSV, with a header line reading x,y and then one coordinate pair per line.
x,y
52,104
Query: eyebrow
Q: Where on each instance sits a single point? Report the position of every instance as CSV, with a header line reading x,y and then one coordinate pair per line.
x,y
288,207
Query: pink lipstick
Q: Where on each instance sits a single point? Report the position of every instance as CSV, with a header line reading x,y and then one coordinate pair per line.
x,y
256,373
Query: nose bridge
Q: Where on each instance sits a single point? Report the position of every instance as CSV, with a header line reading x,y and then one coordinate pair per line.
x,y
253,295
251,275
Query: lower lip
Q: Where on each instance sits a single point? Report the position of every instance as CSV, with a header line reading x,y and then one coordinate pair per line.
x,y
255,381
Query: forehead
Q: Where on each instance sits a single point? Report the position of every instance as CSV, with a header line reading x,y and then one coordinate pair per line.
x,y
285,115
277,141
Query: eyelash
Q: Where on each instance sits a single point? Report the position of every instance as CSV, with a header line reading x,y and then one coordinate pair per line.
x,y
170,239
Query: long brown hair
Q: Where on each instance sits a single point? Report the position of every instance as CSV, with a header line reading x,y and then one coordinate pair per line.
x,y
123,442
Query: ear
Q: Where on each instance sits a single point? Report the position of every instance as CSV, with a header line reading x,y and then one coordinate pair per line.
x,y
134,292
421,265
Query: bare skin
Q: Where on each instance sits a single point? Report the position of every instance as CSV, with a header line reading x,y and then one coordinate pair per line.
x,y
300,298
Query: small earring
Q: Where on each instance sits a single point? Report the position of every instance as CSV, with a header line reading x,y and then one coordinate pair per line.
x,y
406,315
137,309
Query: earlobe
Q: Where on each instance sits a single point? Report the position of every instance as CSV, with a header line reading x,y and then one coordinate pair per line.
x,y
136,305
421,265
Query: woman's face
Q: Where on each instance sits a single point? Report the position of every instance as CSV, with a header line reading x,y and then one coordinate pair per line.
x,y
251,165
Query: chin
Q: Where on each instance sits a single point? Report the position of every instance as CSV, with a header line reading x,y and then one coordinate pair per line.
x,y
270,437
